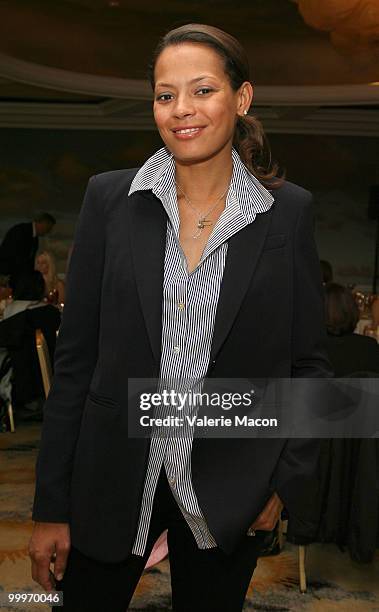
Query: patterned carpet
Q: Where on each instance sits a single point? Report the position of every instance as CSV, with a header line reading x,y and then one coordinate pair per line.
x,y
335,582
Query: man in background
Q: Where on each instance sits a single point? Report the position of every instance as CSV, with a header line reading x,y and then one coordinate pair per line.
x,y
20,244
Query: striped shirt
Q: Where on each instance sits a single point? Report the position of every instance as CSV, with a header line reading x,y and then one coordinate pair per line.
x,y
188,316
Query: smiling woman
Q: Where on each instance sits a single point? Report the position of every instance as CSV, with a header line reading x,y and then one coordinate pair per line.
x,y
176,273
195,52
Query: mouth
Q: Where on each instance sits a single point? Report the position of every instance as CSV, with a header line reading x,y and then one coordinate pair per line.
x,y
186,133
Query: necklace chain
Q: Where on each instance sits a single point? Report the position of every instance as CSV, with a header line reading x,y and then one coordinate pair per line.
x,y
202,218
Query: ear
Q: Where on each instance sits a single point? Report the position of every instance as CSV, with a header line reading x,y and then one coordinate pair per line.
x,y
245,96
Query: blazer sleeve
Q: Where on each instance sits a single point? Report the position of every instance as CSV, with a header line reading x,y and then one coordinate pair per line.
x,y
75,360
295,478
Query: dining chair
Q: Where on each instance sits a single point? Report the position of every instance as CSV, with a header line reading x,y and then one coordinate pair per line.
x,y
302,574
6,386
44,361
301,550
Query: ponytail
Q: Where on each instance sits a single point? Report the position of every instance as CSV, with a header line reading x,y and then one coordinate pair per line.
x,y
254,150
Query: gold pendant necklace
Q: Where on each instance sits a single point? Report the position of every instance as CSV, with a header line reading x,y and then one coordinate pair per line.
x,y
203,222
202,219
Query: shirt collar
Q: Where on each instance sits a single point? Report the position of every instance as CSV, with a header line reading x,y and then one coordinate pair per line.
x,y
158,175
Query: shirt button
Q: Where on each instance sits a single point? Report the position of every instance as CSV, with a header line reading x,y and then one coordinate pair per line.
x,y
181,305
176,350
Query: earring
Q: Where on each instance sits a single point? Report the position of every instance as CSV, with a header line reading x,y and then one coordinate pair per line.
x,y
245,112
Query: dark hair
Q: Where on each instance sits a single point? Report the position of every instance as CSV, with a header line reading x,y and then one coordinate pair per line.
x,y
45,217
30,287
341,311
326,271
249,137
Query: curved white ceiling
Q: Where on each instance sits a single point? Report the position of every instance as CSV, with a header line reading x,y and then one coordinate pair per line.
x,y
135,89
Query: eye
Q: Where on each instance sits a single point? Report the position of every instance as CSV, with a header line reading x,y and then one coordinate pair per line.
x,y
204,90
164,97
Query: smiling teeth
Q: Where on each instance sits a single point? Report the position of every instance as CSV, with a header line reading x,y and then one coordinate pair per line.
x,y
188,131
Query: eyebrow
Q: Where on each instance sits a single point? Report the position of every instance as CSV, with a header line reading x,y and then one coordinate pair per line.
x,y
195,80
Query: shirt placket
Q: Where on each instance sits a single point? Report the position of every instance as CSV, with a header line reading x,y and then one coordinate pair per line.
x,y
177,294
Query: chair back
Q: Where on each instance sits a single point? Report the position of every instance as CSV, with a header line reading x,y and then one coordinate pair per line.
x,y
44,361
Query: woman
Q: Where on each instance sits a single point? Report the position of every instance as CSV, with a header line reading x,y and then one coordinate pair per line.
x,y
348,352
45,263
182,265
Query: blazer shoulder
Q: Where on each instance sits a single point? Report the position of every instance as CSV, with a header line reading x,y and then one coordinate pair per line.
x,y
124,175
291,202
115,182
291,194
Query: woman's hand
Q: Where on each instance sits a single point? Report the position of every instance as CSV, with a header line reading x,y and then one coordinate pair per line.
x,y
50,543
267,519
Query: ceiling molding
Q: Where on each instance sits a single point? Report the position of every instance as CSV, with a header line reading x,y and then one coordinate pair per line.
x,y
73,82
134,89
318,95
133,115
128,104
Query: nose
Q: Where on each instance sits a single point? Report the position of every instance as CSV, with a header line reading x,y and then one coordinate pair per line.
x,y
184,106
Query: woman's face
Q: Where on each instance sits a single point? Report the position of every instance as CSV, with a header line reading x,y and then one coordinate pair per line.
x,y
42,265
195,107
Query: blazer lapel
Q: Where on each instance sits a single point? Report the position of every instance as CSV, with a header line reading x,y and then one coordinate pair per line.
x,y
148,240
242,257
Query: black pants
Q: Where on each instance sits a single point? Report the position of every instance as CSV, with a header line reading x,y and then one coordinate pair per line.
x,y
201,580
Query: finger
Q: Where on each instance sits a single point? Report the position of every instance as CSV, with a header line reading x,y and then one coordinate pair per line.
x,y
262,518
52,579
269,516
266,523
271,511
271,504
266,526
62,552
268,508
40,571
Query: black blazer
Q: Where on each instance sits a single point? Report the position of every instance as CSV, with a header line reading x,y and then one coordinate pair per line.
x,y
269,322
17,251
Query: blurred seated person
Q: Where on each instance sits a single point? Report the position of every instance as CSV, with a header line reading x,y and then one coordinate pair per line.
x,y
5,293
326,271
45,263
348,352
5,289
22,317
